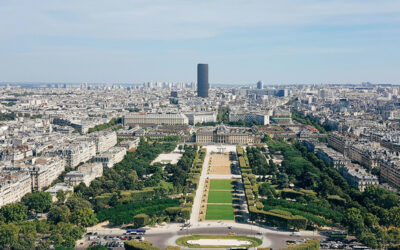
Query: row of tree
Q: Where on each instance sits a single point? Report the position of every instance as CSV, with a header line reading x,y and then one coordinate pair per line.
x,y
112,122
308,120
373,215
65,221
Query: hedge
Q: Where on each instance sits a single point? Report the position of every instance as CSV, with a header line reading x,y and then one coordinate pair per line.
x,y
308,245
139,245
173,248
290,193
278,218
145,194
239,151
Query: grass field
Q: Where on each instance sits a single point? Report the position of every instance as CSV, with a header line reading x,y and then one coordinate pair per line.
x,y
220,197
219,212
220,185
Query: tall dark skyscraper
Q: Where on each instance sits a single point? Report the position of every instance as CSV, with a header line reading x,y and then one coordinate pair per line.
x,y
202,80
260,85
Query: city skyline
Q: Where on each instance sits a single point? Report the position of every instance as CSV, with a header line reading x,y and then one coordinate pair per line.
x,y
288,42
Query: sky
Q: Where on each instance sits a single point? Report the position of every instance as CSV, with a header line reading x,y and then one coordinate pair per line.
x,y
243,41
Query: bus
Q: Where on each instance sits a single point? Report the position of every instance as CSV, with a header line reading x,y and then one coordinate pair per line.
x,y
135,231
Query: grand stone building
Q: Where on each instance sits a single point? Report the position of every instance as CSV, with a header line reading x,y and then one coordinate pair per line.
x,y
225,135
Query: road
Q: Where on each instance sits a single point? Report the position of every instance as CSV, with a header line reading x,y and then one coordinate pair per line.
x,y
275,240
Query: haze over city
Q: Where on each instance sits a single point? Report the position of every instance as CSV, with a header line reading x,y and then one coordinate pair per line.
x,y
279,42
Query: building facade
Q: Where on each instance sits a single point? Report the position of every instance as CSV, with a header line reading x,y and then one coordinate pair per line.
x,y
158,119
202,80
14,184
224,135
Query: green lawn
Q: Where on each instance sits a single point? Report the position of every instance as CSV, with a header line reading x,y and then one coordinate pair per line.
x,y
183,241
220,184
219,212
220,197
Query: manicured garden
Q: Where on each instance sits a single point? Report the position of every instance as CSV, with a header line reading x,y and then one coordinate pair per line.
x,y
220,212
220,185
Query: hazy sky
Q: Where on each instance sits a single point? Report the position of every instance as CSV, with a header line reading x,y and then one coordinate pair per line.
x,y
282,41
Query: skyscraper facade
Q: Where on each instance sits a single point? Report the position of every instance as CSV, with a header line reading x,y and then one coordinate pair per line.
x,y
260,85
202,80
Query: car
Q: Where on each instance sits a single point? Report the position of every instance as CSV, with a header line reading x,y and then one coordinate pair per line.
x,y
123,238
230,227
259,233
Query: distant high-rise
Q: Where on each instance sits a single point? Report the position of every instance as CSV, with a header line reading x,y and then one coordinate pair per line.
x,y
260,85
202,80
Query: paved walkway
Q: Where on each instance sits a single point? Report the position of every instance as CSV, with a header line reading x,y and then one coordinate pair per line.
x,y
194,217
224,176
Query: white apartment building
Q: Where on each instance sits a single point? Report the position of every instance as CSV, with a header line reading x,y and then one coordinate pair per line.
x,y
78,153
14,184
129,144
159,119
260,118
390,172
111,157
104,140
200,117
45,171
359,178
85,173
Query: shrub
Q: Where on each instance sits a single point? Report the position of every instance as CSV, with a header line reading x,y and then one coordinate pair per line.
x,y
139,245
141,220
308,245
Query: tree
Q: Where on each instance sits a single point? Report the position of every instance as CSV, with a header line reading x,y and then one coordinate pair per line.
x,y
61,196
84,217
282,180
38,201
97,247
14,212
44,245
141,220
371,220
65,234
186,211
76,203
369,239
114,200
266,138
59,214
266,190
354,220
394,215
8,235
26,236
